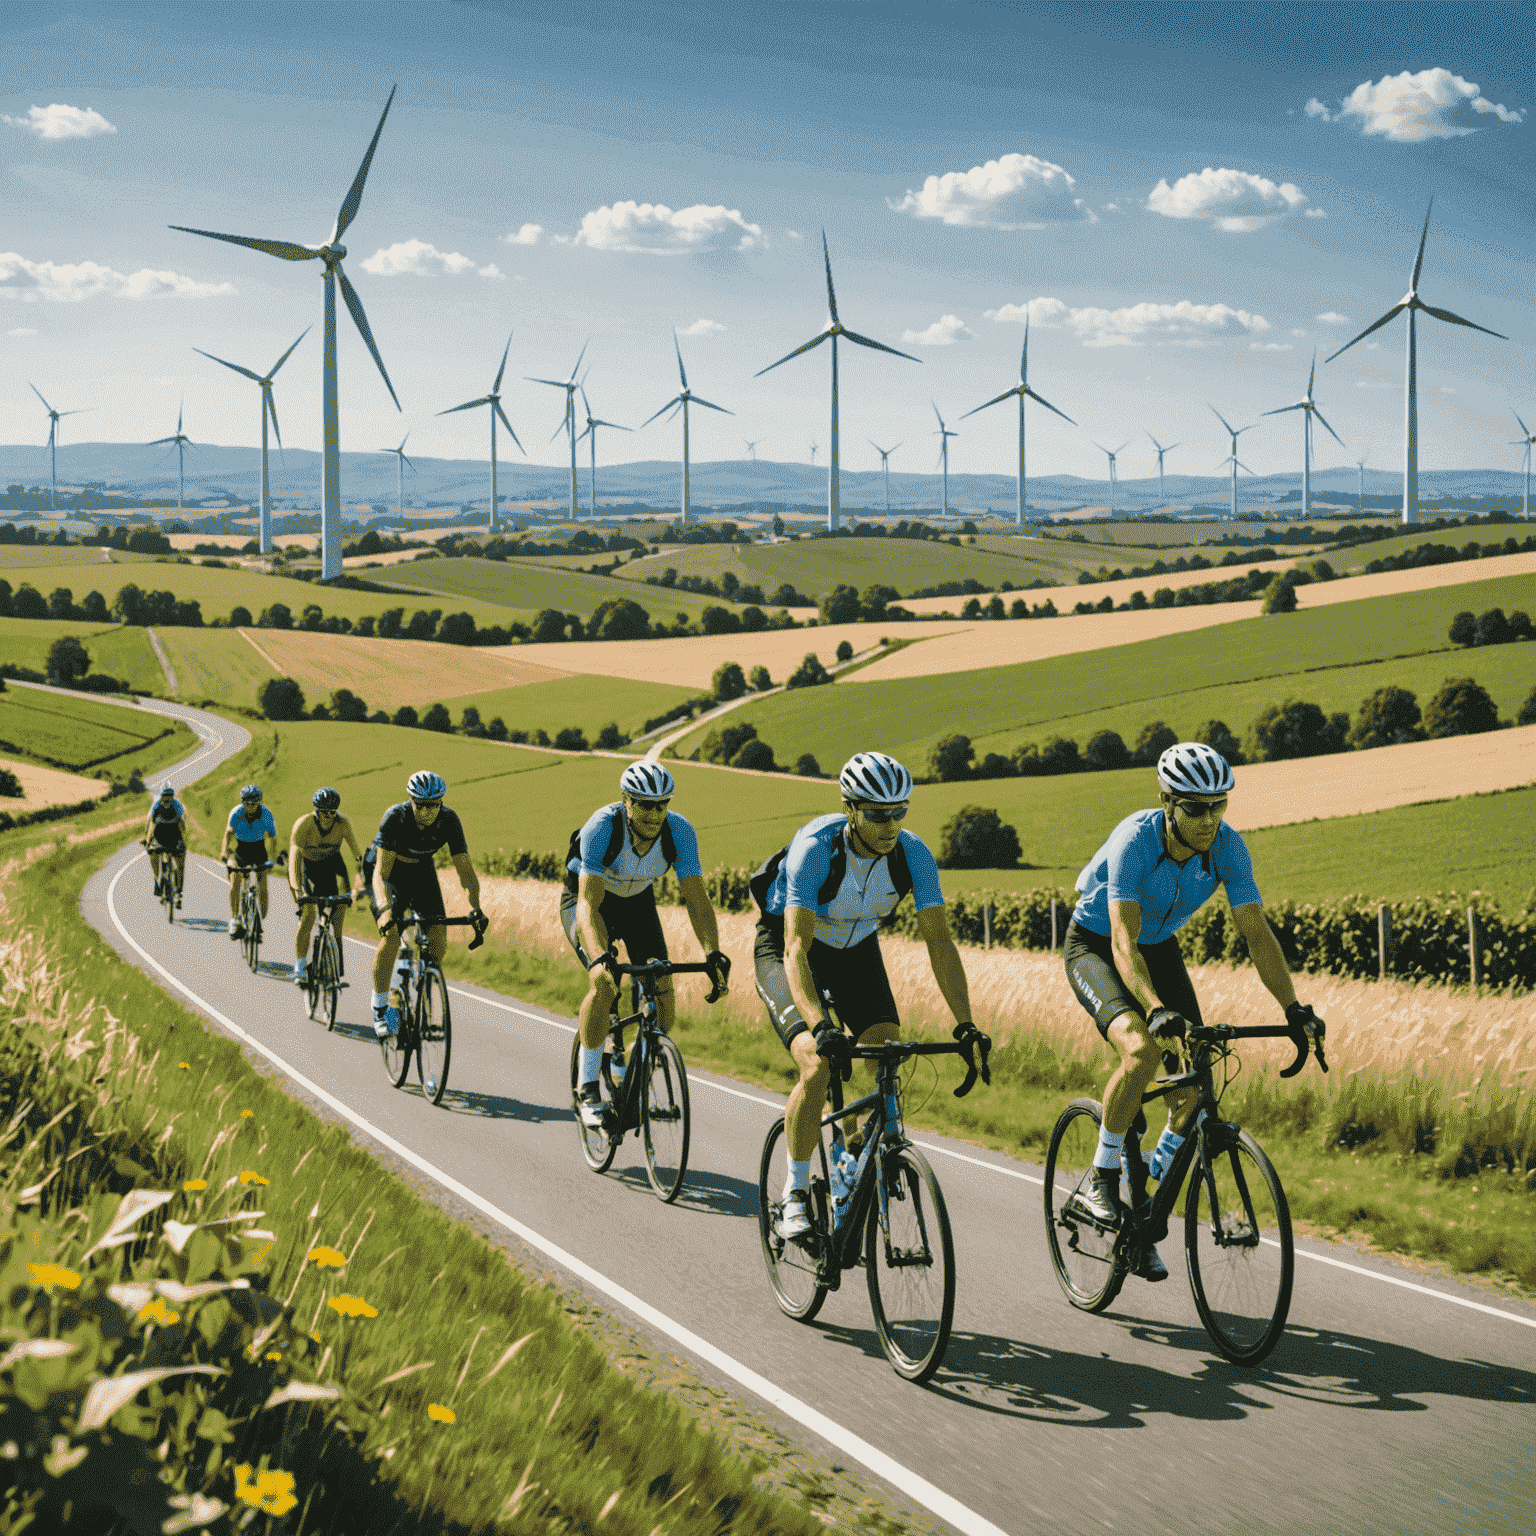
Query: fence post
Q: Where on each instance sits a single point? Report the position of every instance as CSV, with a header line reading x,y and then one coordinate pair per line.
x,y
986,925
1383,936
1472,947
1053,922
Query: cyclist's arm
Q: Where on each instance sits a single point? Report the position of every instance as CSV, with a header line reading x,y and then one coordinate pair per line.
x,y
229,833
590,890
468,878
1124,930
382,870
1264,947
799,935
295,856
701,912
350,840
944,957
149,826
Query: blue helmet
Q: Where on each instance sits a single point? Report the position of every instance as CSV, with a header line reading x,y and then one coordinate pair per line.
x,y
251,792
424,785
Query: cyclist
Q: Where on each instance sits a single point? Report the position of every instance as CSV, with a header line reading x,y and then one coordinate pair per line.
x,y
410,834
251,834
165,835
1157,870
822,899
609,896
316,868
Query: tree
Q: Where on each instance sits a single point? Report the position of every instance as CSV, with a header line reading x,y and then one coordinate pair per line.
x,y
1463,629
548,627
729,681
469,722
281,698
723,743
978,838
406,716
497,729
759,679
1280,594
807,767
995,609
67,660
1059,755
312,617
1527,715
437,719
1461,708
93,608
10,785
809,674
716,620
457,629
1492,628
1214,734
951,759
620,618
1388,717
572,739
757,755
61,604
730,583
345,705
1519,623
1107,751
278,616
392,621
1155,739
1295,729
995,766
753,619
127,606
1018,609
841,605
778,526
423,624
844,650
610,739
876,599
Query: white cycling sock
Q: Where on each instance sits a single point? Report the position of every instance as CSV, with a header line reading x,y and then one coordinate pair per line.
x,y
1108,1155
799,1177
591,1065
380,1000
1162,1154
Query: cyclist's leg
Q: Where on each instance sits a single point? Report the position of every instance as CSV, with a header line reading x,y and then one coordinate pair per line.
x,y
389,943
181,867
261,892
1170,980
1097,985
601,992
307,887
802,1115
861,993
644,941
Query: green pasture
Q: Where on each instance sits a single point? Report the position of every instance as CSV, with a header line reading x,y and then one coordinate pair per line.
x,y
216,664
114,649
1361,555
81,734
26,557
590,702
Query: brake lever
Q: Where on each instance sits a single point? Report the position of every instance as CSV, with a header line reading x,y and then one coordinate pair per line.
x,y
1316,1036
1300,1039
479,937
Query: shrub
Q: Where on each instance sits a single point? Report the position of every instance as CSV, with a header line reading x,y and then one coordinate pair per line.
x,y
1461,708
755,754
609,739
720,621
1492,628
1463,629
1389,716
1059,755
67,660
808,768
345,705
729,681
1280,594
1214,734
406,716
844,650
841,605
977,838
1107,751
1155,739
278,616
572,739
437,719
809,674
1527,715
10,785
281,698
759,680
724,742
1297,729
951,759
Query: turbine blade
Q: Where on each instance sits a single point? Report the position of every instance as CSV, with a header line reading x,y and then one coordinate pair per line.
x,y
1445,314
354,197
879,346
355,305
286,355
468,405
1516,414
1244,467
409,464
1172,446
157,442
996,399
553,383
270,406
1024,355
564,422
1280,410
815,341
579,356
667,407
496,406
287,250
936,413
1391,314
1312,374
1219,417
1123,446
1419,261
496,387
831,292
677,347
585,403
36,391
236,366
1047,404
697,400
585,432
616,427
1154,441
1334,435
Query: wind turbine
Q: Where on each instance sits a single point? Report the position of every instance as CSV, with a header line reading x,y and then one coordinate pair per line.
x,y
332,254
1112,480
268,408
591,431
1361,464
1233,461
1022,389
54,418
1413,304
885,465
570,386
815,449
944,435
834,329
1160,452
400,488
1309,409
493,399
752,446
1526,442
182,442
681,401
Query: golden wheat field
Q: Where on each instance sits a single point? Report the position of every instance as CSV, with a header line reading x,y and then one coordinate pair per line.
x,y
47,786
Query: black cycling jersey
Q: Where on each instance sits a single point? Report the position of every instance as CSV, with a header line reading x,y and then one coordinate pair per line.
x,y
399,833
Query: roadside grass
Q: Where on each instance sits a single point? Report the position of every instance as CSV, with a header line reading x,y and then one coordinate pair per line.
x,y
82,735
116,649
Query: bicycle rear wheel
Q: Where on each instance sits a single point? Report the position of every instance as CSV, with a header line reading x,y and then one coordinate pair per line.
x,y
664,1117
331,981
1237,1242
434,1034
398,1049
794,1265
909,1262
168,889
1082,1251
252,924
597,1146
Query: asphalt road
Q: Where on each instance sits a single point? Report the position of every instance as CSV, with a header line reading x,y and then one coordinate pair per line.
x,y
1392,1404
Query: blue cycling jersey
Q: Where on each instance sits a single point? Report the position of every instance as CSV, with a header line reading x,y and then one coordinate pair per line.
x,y
160,812
249,830
630,873
867,892
1134,866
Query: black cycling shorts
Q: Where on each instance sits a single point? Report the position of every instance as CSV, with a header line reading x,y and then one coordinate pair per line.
x,y
630,920
861,991
324,877
168,835
247,854
1096,981
414,886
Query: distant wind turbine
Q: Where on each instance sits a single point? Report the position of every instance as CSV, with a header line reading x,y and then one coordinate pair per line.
x,y
680,402
570,386
591,431
1233,461
1160,452
1526,440
1023,391
182,442
54,417
944,435
399,453
752,446
1308,407
1361,464
1112,478
1413,304
834,329
885,465
332,254
268,409
493,399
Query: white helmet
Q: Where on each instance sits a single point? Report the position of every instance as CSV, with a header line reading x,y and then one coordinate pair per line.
x,y
1192,768
875,777
648,780
426,785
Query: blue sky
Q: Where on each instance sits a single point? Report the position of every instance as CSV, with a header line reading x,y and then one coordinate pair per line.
x,y
1176,193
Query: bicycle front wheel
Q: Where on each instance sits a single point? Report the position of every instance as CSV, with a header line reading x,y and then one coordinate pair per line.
x,y
1237,1243
434,1034
397,1049
1082,1251
596,1145
664,1117
326,970
909,1262
794,1264
168,892
253,935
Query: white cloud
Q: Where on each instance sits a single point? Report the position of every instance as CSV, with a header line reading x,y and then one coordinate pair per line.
x,y
1111,207
1331,317
529,234
1271,346
794,234
1447,389
418,259
22,330
1183,323
1317,213
655,229
943,332
1011,192
703,327
1300,334
1238,202
72,281
61,122
1433,104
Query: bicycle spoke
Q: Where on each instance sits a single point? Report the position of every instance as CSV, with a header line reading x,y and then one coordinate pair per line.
x,y
596,1145
1082,1253
664,1112
909,1261
794,1267
434,1030
330,980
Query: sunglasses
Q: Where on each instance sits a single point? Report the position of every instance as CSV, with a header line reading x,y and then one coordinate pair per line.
x,y
649,805
427,805
880,818
1198,810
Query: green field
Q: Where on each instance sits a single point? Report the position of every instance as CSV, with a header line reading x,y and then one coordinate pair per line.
x,y
590,702
216,664
1361,555
24,558
113,649
82,735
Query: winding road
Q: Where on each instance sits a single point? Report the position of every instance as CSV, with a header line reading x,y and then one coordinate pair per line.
x,y
1392,1404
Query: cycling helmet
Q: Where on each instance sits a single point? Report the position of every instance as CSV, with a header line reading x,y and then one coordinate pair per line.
x,y
424,785
251,792
166,789
875,777
326,800
648,780
1192,768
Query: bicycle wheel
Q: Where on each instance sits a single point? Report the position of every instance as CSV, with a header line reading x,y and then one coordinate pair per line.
x,y
794,1266
596,1145
252,932
330,980
664,1117
168,891
909,1262
1237,1242
398,1049
434,1034
1082,1251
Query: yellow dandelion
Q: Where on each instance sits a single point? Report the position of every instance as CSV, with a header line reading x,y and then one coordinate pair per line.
x,y
250,1176
194,1186
183,1066
246,1114
53,1277
440,1414
351,1306
158,1313
327,1258
274,1354
270,1491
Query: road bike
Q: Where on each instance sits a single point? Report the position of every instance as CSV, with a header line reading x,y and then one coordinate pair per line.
x,y
163,861
1237,1225
892,1219
648,1094
248,916
426,1022
322,981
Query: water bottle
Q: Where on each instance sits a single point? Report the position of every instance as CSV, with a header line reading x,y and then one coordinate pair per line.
x,y
616,1069
844,1171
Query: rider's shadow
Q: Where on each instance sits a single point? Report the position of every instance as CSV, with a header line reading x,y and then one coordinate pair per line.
x,y
282,969
205,924
713,1194
495,1106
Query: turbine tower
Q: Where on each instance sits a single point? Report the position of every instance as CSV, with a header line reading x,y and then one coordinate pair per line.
x,y
1233,460
834,329
54,418
332,253
1413,304
1361,464
400,487
885,465
1022,390
680,402
182,442
268,409
1112,480
493,399
591,431
1526,440
944,435
1308,407
570,386
1160,452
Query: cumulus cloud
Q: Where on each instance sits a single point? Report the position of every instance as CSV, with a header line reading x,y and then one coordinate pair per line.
x,y
529,234
1184,323
418,259
1331,317
1317,213
1299,333
702,327
944,332
1433,104
61,122
1012,192
1270,346
1237,202
69,282
655,229
1315,108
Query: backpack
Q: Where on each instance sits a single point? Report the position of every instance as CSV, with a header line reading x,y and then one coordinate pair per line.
x,y
768,871
615,844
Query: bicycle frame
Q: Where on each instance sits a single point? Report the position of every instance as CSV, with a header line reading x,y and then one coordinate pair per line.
x,y
645,1018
